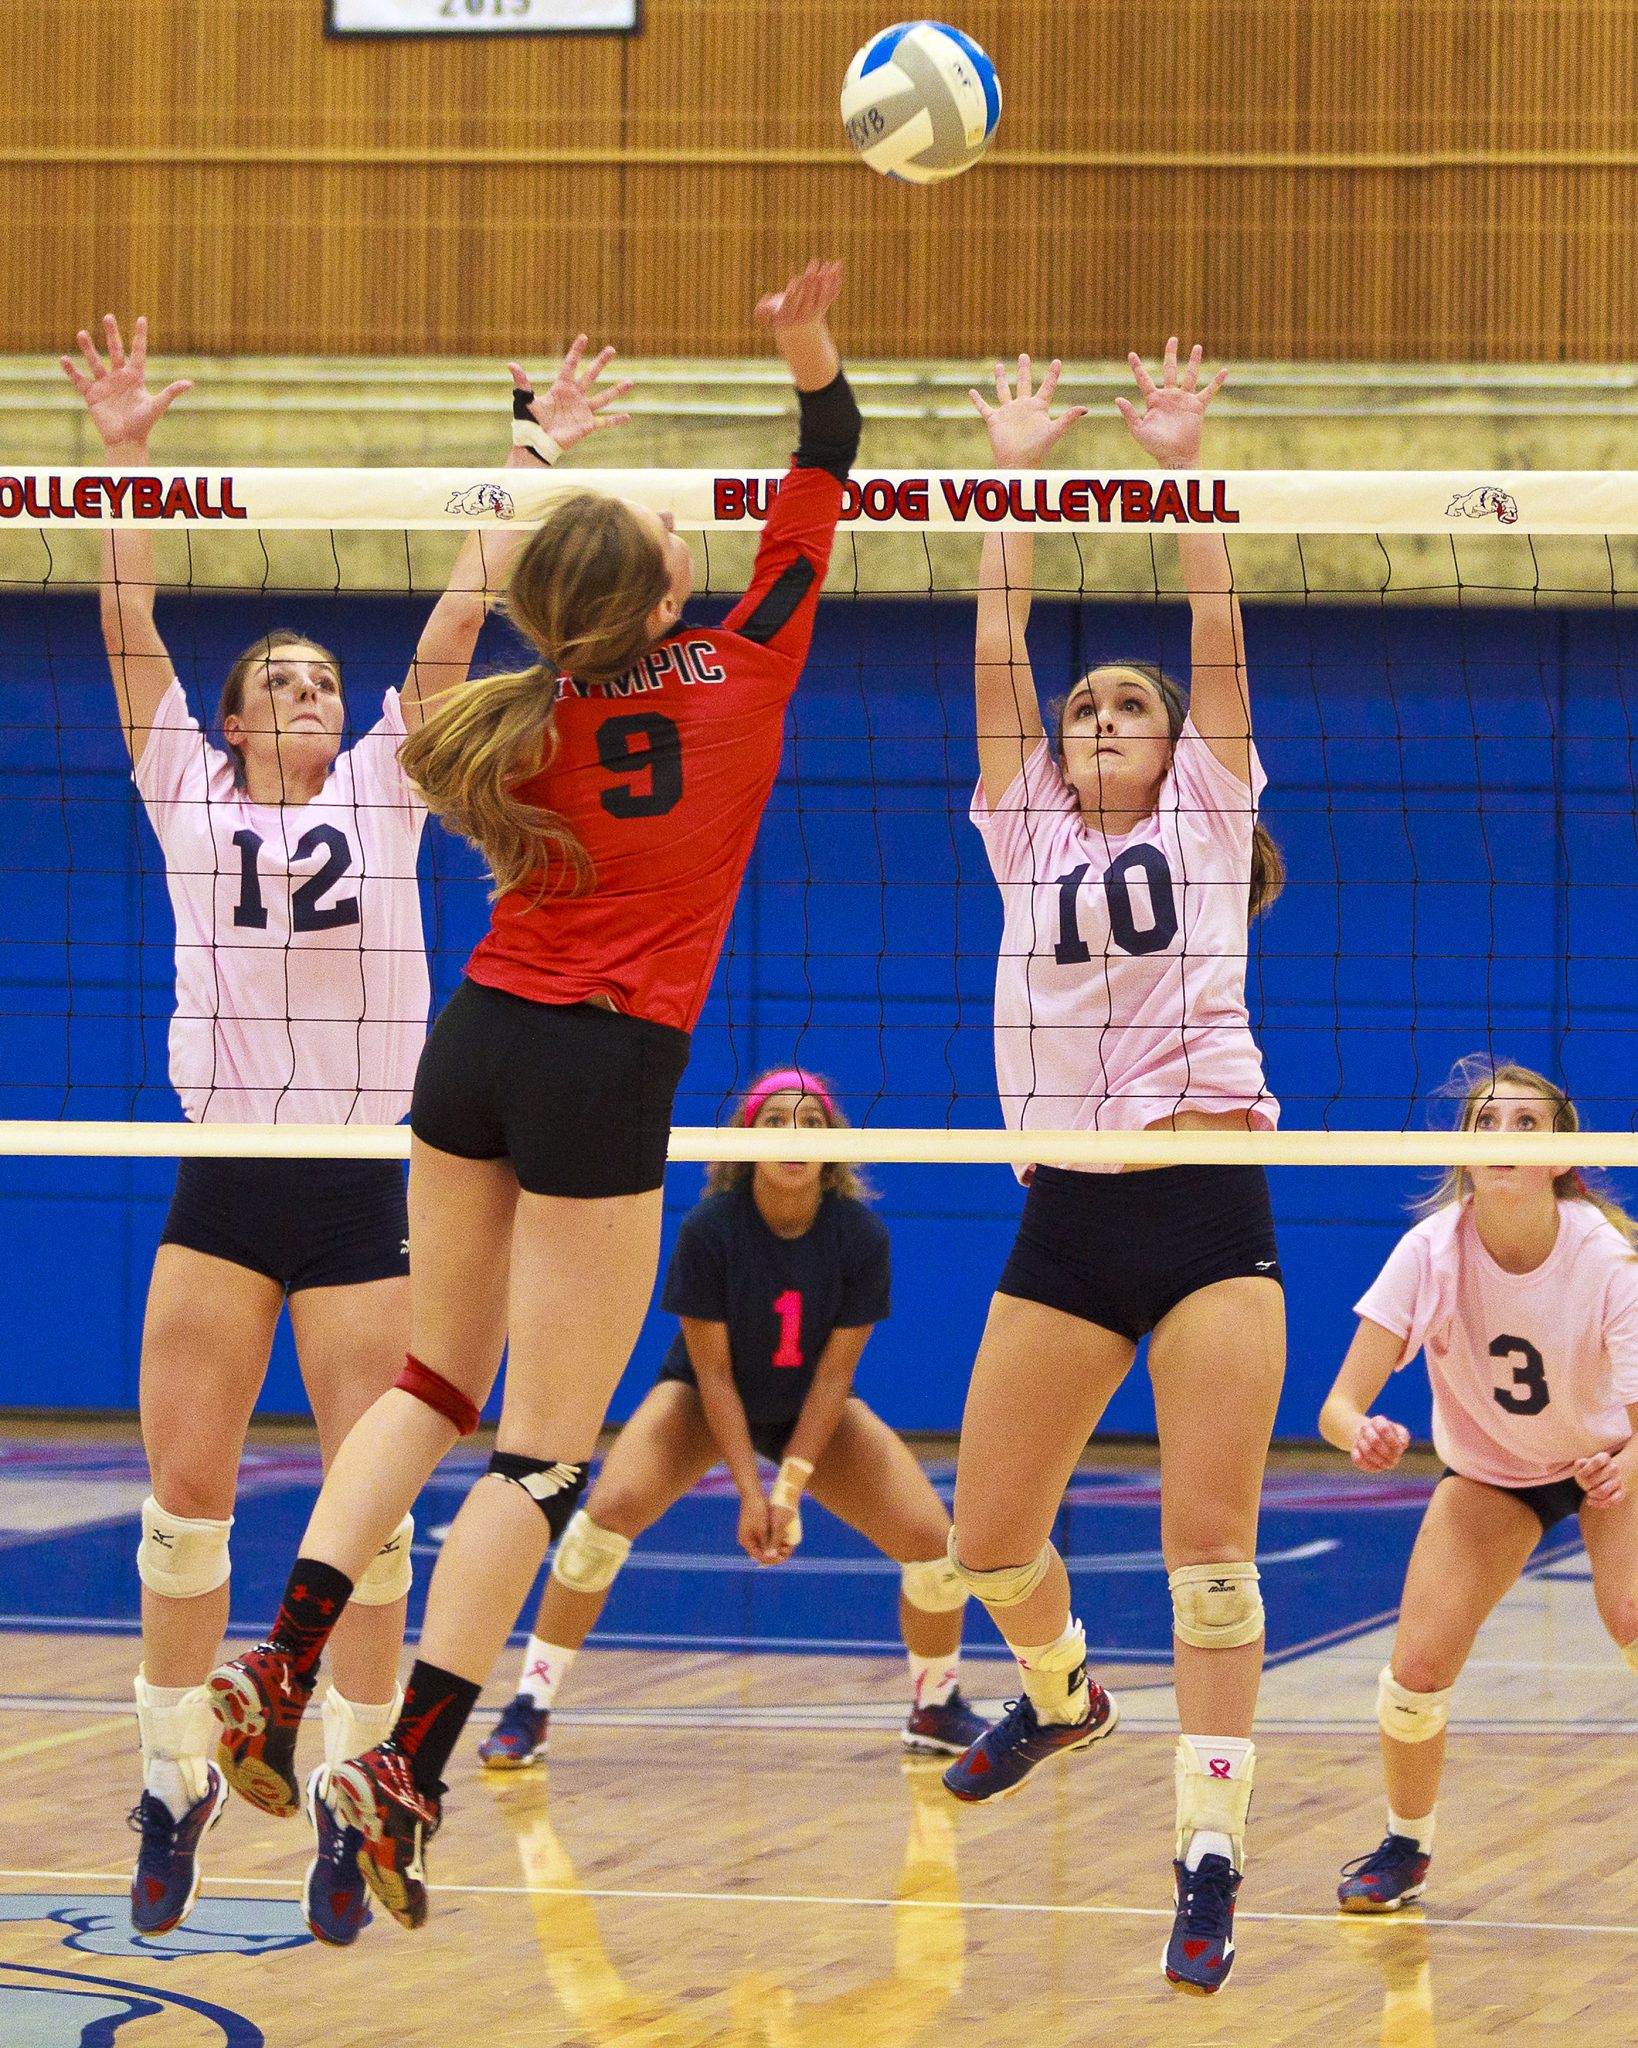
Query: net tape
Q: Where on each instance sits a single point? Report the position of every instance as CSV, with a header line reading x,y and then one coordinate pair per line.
x,y
1447,506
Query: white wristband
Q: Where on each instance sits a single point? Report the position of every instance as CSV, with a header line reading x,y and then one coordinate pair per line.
x,y
527,434
794,1475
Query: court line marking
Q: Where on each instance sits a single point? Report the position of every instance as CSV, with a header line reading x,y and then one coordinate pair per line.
x,y
53,1741
809,1899
866,1716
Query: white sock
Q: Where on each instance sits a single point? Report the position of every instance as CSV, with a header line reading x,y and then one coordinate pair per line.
x,y
1418,1831
1054,1676
545,1665
351,1728
933,1679
1236,1751
178,1733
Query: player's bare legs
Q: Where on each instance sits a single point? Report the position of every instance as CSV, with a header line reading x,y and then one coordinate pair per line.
x,y
1611,1536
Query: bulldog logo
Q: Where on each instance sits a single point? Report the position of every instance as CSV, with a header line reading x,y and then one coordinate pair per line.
x,y
1484,503
481,498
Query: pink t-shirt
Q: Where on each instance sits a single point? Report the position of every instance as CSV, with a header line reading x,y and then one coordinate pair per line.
x,y
1530,1371
301,972
1120,990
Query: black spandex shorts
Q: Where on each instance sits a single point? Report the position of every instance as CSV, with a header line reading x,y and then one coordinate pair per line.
x,y
302,1222
768,1438
577,1097
1123,1249
1552,1503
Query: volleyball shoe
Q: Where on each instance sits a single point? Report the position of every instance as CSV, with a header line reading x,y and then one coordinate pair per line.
x,y
1003,1757
259,1702
1200,1953
1394,1874
518,1738
334,1902
944,1730
165,1882
376,1793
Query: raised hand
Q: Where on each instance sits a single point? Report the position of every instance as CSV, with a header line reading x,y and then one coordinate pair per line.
x,y
1021,428
572,407
1379,1444
1599,1478
123,410
805,300
1174,410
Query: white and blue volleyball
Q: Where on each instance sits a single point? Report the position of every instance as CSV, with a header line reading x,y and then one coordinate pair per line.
x,y
920,101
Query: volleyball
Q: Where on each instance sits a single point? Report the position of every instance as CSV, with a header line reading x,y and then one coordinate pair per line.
x,y
920,102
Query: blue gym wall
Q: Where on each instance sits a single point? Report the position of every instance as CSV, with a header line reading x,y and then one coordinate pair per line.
x,y
1452,790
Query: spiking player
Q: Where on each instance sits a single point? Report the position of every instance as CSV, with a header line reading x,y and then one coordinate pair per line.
x,y
301,996
1520,1286
778,1277
542,1108
1129,857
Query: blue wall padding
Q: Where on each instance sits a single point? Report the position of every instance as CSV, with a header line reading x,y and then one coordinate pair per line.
x,y
1452,789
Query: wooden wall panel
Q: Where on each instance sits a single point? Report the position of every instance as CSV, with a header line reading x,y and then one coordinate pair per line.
x,y
1394,179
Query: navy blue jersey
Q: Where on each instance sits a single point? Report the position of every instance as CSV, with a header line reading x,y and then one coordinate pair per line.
x,y
781,1297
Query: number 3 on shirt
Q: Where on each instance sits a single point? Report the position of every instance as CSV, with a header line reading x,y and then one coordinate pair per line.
x,y
788,1308
1073,951
1528,1393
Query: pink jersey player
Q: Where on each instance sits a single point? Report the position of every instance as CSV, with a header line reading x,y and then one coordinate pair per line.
x,y
1122,828
301,997
1520,1286
301,971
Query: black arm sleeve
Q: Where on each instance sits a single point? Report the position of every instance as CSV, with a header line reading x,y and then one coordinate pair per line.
x,y
829,436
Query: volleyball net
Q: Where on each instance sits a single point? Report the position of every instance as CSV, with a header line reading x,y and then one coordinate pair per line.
x,y
1442,677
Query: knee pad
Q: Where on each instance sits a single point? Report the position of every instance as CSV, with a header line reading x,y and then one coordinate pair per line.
x,y
389,1574
935,1586
554,1485
588,1558
439,1394
1410,1716
1213,1792
1216,1606
181,1558
1009,1584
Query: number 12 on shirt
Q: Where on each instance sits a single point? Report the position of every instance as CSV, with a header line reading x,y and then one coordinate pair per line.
x,y
788,1308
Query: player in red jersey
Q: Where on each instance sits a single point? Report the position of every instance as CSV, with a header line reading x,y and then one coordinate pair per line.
x,y
542,1105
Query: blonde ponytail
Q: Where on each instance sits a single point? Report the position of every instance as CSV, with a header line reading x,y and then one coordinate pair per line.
x,y
583,590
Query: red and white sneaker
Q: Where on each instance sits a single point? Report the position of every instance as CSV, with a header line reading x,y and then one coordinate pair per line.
x,y
258,1702
377,1794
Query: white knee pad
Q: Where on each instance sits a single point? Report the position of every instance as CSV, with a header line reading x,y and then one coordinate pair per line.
x,y
588,1558
1213,1791
933,1585
390,1573
1009,1585
1216,1606
1410,1716
181,1558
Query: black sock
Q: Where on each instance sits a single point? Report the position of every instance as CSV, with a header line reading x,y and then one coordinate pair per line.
x,y
314,1601
436,1706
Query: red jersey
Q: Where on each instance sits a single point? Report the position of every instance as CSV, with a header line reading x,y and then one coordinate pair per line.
x,y
663,776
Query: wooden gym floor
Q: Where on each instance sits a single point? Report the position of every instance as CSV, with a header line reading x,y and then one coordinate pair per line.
x,y
731,1849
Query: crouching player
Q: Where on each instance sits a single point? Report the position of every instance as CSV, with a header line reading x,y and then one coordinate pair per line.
x,y
778,1277
1520,1284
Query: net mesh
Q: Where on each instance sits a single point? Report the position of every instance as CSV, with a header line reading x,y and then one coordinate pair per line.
x,y
1441,680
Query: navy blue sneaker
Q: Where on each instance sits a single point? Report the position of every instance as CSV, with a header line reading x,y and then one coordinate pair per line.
x,y
518,1738
1200,1953
334,1901
944,1730
165,1882
1392,1876
1003,1757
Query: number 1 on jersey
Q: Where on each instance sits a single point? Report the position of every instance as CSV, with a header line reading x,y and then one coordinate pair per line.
x,y
788,1308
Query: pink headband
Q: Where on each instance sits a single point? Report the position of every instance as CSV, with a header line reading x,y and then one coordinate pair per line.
x,y
787,1078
